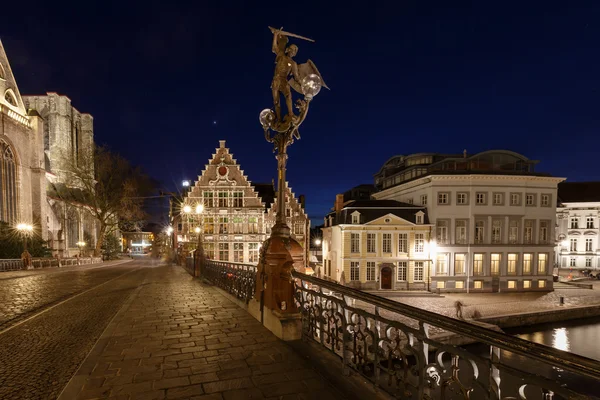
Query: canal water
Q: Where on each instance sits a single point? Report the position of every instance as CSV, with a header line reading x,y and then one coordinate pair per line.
x,y
581,337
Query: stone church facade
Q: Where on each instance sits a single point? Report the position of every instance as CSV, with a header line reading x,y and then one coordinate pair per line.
x,y
36,133
235,216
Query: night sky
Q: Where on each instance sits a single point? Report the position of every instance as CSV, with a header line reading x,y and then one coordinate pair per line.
x,y
166,80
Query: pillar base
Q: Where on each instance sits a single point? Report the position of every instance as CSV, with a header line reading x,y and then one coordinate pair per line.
x,y
286,326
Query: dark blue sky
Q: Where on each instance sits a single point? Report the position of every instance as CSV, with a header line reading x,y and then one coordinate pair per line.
x,y
405,77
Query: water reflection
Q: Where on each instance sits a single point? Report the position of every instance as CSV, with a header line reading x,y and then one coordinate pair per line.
x,y
560,339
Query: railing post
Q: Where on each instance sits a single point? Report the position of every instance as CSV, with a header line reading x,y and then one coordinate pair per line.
x,y
494,373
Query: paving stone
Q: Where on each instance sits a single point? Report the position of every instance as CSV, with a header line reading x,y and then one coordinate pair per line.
x,y
229,384
243,394
184,392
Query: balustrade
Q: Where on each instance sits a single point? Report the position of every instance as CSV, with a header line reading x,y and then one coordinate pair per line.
x,y
236,278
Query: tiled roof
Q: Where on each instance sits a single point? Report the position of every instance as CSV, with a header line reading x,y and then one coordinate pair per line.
x,y
578,192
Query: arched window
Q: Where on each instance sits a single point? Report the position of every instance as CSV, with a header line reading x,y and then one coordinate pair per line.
x,y
10,98
8,184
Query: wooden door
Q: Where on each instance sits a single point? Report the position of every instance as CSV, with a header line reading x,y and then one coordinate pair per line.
x,y
386,278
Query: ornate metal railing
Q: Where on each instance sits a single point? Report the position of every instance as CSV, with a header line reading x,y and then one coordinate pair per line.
x,y
236,278
391,344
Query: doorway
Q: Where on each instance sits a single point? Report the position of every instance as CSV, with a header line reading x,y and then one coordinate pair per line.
x,y
386,278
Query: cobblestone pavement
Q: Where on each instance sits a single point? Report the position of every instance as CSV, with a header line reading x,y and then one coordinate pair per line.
x,y
23,296
182,339
39,356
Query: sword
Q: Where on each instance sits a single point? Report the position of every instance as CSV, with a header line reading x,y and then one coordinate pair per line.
x,y
273,30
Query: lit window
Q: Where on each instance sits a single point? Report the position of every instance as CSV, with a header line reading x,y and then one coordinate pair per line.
x,y
419,242
495,265
253,252
459,285
252,224
442,264
418,273
354,270
224,251
541,284
542,263
238,223
527,263
441,285
402,270
512,263
512,284
478,264
478,285
526,284
370,270
459,264
238,252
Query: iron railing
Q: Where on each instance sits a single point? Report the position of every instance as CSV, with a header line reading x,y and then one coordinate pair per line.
x,y
236,278
11,264
391,345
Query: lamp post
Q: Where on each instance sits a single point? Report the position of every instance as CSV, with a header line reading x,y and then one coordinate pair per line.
x,y
25,230
199,253
80,245
280,253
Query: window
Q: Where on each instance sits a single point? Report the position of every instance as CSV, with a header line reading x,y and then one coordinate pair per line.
x,y
224,251
573,244
10,98
574,223
589,222
526,284
498,199
459,285
354,270
371,242
387,243
515,199
238,252
477,284
370,270
442,264
495,265
409,201
512,264
403,243
419,266
329,264
253,252
209,250
496,231
588,262
528,234
478,264
238,199
512,284
442,198
288,212
462,198
588,244
572,262
209,225
419,242
526,263
355,219
209,200
530,199
223,224
459,264
238,225
423,199
541,284
8,185
545,200
544,225
461,231
223,199
252,224
354,243
419,219
442,231
480,198
402,270
479,229
542,263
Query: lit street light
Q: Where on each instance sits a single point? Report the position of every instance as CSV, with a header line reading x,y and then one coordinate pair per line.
x,y
25,230
187,209
80,245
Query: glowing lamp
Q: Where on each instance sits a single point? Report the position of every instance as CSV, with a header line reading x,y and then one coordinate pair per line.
x,y
199,208
197,230
266,118
317,242
187,209
311,86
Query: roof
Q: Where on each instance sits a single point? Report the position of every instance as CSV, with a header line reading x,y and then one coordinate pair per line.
x,y
372,209
578,192
266,191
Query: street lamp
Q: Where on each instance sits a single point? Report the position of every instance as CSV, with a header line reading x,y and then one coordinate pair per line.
x,y
25,230
80,245
187,209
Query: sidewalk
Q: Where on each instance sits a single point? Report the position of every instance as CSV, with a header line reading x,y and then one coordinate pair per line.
x,y
41,271
178,338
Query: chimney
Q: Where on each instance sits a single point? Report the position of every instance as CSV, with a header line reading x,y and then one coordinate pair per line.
x,y
465,153
221,144
302,200
339,202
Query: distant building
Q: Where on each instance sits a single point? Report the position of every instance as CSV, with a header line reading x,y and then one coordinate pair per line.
x,y
138,242
236,216
578,225
494,217
360,192
377,244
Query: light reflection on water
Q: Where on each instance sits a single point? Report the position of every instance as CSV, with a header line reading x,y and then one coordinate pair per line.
x,y
560,339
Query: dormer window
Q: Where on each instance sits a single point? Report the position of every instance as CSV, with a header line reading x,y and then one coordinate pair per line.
x,y
419,218
355,217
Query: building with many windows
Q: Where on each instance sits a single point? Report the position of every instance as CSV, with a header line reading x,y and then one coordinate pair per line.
x,y
577,225
494,217
377,244
232,216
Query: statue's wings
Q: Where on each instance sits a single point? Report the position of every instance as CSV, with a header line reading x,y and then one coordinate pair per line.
x,y
303,70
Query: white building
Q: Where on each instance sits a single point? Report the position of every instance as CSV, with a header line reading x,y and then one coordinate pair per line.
x,y
494,217
577,225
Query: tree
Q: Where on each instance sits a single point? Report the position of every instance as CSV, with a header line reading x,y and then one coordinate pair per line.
x,y
106,185
111,247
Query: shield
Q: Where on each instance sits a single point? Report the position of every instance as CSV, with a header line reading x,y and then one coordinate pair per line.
x,y
304,70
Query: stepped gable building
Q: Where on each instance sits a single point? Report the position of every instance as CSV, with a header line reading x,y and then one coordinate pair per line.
x,y
377,244
494,217
578,225
32,131
236,217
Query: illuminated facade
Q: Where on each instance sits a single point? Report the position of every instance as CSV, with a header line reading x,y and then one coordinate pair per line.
x,y
235,216
494,217
138,242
